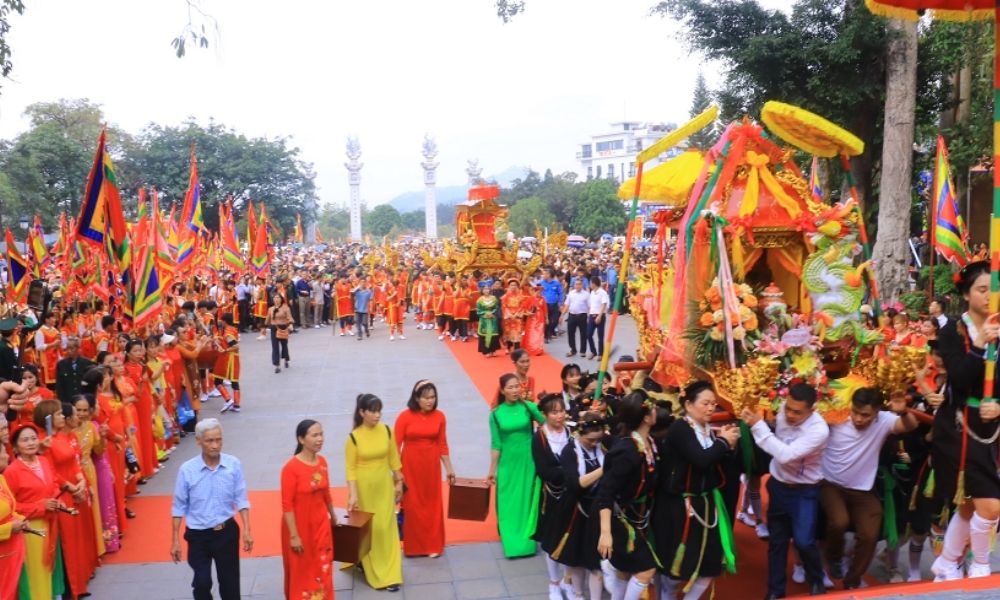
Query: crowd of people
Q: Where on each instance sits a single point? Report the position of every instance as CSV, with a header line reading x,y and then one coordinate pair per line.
x,y
635,490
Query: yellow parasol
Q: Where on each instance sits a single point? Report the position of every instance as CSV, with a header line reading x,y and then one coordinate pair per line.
x,y
809,131
669,183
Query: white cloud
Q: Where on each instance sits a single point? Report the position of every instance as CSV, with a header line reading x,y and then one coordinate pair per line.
x,y
389,71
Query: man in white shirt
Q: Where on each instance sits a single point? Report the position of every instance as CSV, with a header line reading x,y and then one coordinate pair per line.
x,y
850,464
576,306
796,446
597,310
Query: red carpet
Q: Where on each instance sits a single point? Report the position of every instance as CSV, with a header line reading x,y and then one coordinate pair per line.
x,y
148,536
486,372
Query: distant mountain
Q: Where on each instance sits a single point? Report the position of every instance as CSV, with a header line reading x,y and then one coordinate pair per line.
x,y
453,194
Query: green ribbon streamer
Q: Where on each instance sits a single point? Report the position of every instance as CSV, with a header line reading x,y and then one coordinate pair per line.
x,y
889,531
725,532
746,449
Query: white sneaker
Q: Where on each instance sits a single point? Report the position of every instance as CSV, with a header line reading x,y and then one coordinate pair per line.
x,y
914,576
554,592
227,406
799,573
402,337
392,338
264,337
762,531
896,576
945,570
979,570
441,337
214,393
827,582
315,326
746,519
567,589
341,334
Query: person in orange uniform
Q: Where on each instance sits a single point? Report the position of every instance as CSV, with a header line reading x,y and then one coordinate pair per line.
x,y
138,372
345,306
111,420
417,299
444,308
87,326
48,345
394,306
306,532
227,365
460,314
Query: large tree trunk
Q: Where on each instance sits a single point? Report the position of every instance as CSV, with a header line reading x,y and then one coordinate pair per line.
x,y
891,253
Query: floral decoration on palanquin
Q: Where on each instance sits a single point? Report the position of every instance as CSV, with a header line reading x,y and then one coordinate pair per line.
x,y
711,331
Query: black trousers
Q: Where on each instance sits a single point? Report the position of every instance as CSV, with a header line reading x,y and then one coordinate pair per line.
x,y
279,348
574,324
222,547
593,326
244,308
553,323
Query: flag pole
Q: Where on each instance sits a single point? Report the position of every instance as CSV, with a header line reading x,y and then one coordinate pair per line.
x,y
845,164
991,352
932,225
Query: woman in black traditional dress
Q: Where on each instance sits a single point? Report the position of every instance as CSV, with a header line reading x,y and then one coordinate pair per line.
x,y
964,454
691,525
583,463
554,511
625,499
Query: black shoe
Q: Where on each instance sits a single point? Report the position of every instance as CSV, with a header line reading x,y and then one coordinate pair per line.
x,y
817,589
836,570
852,586
287,366
392,588
771,596
129,513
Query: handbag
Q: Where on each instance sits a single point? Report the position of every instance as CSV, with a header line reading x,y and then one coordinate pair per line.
x,y
281,332
185,413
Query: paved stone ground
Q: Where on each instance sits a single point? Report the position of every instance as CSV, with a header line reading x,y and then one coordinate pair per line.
x,y
328,371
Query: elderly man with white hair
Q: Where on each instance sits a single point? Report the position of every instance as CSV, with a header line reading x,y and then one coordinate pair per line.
x,y
210,489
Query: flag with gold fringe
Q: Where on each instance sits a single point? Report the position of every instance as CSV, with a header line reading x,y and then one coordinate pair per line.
x,y
950,236
18,272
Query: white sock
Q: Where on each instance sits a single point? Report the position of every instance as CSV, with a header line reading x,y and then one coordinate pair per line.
x,y
698,589
634,589
916,553
980,532
668,588
955,539
555,570
616,587
596,584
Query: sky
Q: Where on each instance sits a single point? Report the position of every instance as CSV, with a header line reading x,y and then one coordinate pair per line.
x,y
526,93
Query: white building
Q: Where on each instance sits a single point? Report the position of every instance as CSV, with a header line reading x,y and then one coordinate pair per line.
x,y
612,155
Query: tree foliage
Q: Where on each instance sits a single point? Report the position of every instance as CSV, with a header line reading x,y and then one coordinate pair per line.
x,y
7,8
529,215
382,219
45,168
700,100
599,210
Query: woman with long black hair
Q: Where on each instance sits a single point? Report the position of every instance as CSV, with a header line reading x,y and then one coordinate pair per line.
x,y
691,525
511,466
306,532
375,485
625,499
965,433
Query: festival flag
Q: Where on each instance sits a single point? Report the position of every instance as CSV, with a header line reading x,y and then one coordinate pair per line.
x,y
164,255
191,214
260,256
139,232
18,272
38,254
950,235
814,186
251,224
146,296
230,246
319,236
300,236
102,222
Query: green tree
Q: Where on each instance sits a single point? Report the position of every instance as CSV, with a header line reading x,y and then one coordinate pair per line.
x,y
701,100
560,194
521,188
7,7
413,221
335,222
229,164
382,219
599,210
528,215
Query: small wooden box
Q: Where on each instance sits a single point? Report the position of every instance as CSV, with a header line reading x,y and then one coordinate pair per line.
x,y
469,499
352,535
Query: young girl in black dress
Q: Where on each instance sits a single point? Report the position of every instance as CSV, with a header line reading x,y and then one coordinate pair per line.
x,y
554,511
583,464
625,499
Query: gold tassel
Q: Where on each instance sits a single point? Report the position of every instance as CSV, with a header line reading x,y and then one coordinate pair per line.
x,y
675,567
893,12
960,489
562,544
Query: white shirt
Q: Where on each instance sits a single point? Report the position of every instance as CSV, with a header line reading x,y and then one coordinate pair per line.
x,y
797,449
578,303
851,456
598,302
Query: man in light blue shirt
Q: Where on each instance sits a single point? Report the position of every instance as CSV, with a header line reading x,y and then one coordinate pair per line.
x,y
210,489
362,299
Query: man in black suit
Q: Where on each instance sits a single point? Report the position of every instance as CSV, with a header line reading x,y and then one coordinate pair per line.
x,y
70,370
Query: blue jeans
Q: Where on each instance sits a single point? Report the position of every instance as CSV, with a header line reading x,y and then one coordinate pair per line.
x,y
791,514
